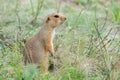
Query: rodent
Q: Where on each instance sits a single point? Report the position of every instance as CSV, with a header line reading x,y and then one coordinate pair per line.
x,y
37,47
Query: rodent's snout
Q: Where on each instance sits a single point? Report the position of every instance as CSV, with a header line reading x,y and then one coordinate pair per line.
x,y
65,18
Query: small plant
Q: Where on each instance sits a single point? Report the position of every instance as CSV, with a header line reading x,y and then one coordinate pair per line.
x,y
38,9
30,72
116,12
84,1
71,73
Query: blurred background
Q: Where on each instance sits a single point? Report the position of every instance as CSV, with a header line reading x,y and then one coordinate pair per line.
x,y
87,45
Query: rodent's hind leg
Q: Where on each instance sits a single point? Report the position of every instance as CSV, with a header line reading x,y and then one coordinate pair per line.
x,y
44,64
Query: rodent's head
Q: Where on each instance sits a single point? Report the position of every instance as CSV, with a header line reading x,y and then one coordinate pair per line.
x,y
55,19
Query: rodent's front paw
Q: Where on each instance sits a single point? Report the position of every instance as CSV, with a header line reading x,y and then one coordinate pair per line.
x,y
52,53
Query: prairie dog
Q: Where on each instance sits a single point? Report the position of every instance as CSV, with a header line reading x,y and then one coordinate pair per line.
x,y
37,47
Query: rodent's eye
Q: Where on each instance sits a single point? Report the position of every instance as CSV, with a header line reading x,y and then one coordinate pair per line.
x,y
56,16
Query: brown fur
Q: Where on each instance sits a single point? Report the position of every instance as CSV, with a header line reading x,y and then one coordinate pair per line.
x,y
36,48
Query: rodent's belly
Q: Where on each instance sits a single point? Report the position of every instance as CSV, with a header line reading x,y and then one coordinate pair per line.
x,y
39,55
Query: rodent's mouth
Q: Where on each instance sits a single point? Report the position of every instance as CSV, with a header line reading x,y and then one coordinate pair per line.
x,y
62,22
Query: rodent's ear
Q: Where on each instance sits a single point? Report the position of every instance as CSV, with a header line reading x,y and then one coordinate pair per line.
x,y
47,20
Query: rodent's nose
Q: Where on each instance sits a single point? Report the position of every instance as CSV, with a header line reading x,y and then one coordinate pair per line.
x,y
65,18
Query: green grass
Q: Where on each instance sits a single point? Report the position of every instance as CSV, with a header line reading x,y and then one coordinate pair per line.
x,y
87,45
